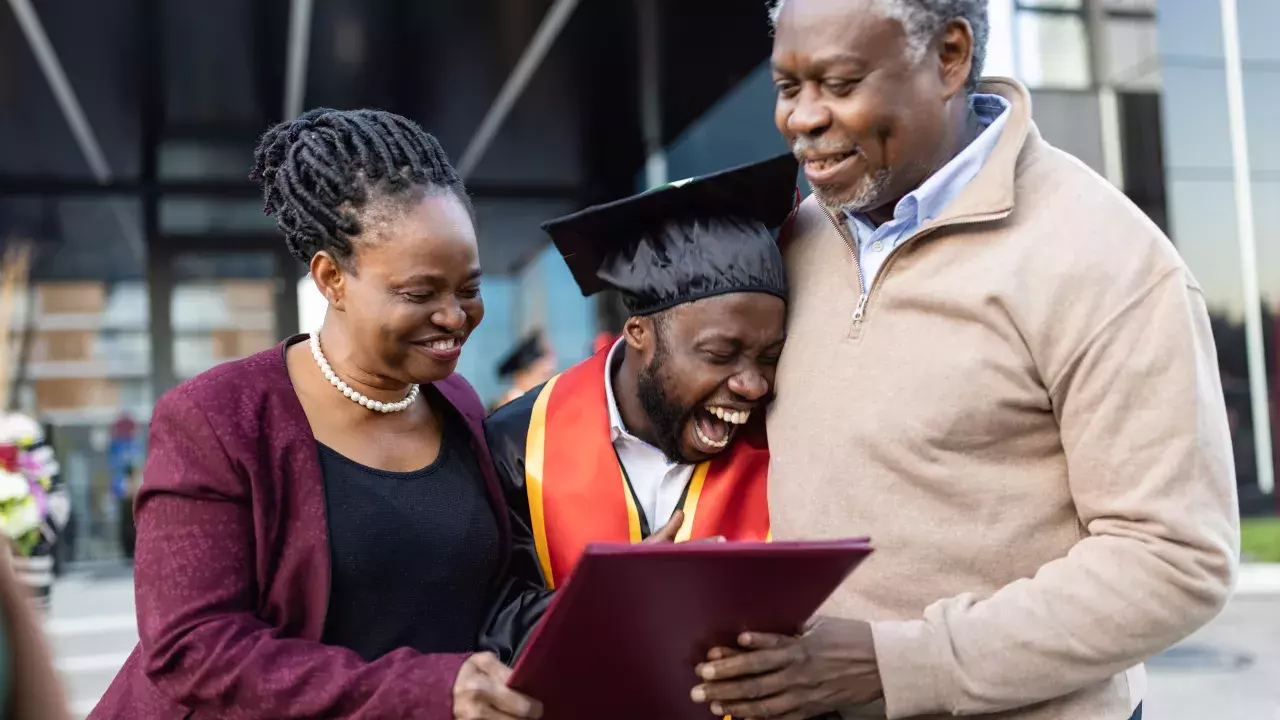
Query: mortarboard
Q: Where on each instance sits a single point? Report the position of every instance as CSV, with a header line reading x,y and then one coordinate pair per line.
x,y
684,241
525,353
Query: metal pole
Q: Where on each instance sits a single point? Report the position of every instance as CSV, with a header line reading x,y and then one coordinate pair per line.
x,y
65,95
552,23
295,79
1258,395
655,166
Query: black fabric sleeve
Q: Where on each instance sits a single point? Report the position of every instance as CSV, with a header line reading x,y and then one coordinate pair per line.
x,y
522,596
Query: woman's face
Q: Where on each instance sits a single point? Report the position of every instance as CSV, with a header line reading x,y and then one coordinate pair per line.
x,y
411,296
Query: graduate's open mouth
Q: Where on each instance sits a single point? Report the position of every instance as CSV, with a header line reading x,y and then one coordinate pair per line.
x,y
715,425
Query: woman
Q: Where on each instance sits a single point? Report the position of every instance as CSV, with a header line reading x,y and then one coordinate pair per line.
x,y
319,528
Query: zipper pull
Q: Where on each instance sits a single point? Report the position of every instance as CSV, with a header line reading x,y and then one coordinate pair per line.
x,y
859,311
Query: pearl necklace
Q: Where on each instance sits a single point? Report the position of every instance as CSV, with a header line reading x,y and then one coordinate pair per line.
x,y
355,395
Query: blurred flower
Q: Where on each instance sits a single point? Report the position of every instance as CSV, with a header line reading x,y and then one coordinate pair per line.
x,y
13,486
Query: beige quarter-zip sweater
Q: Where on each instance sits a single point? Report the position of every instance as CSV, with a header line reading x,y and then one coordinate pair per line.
x,y
1024,414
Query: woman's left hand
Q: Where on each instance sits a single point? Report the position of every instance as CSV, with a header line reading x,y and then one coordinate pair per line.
x,y
481,693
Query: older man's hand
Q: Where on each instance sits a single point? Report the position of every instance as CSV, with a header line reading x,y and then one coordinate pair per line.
x,y
832,665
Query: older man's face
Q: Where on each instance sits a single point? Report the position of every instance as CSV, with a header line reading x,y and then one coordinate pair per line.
x,y
866,116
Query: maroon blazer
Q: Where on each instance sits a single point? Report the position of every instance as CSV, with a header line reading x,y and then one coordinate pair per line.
x,y
232,565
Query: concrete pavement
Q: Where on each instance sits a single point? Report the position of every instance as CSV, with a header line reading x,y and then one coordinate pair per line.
x,y
1228,670
1231,668
92,629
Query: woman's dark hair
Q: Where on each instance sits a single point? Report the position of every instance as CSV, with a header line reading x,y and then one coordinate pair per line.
x,y
319,171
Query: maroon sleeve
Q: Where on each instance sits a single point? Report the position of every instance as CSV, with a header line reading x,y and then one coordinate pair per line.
x,y
201,643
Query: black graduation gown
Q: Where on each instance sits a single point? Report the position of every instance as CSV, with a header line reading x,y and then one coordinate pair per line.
x,y
523,597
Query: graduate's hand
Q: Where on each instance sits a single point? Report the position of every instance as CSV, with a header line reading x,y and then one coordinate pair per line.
x,y
832,665
480,692
668,532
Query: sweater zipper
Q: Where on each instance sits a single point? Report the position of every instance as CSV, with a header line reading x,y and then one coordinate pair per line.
x,y
860,311
851,245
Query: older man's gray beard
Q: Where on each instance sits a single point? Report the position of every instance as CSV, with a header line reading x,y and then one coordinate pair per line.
x,y
866,194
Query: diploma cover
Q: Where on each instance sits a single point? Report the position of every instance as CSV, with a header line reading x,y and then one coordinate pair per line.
x,y
621,638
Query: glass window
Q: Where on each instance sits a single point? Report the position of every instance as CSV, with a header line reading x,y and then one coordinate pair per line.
x,y
188,215
1133,54
1053,50
223,308
189,160
1052,4
999,40
1130,5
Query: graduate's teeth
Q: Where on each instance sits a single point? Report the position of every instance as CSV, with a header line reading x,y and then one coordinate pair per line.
x,y
444,345
708,441
733,417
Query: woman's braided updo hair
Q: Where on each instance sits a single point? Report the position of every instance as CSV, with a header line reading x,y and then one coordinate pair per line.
x,y
319,170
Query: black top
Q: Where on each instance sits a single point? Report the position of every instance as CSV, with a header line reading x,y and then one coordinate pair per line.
x,y
684,241
412,553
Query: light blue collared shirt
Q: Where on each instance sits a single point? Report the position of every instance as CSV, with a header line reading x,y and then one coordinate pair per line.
x,y
934,194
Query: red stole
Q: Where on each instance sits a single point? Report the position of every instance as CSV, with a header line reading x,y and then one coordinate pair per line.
x,y
579,495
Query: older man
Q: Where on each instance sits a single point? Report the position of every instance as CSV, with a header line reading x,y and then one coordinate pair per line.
x,y
998,369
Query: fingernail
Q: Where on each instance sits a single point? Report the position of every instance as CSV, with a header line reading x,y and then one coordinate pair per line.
x,y
707,672
698,694
716,709
745,638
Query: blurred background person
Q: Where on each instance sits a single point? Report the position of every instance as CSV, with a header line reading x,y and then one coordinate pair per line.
x,y
131,478
531,363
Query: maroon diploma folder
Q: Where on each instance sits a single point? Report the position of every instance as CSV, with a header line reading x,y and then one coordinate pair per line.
x,y
621,638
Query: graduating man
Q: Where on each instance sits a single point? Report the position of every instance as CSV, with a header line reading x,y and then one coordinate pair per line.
x,y
664,429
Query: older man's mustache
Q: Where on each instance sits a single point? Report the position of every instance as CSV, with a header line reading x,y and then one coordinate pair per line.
x,y
805,148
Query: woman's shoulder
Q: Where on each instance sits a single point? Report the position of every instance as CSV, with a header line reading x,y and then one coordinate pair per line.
x,y
458,392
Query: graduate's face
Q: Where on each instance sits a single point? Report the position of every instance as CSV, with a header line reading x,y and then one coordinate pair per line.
x,y
708,367
862,109
409,296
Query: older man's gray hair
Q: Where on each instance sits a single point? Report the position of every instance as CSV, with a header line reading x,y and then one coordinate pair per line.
x,y
924,19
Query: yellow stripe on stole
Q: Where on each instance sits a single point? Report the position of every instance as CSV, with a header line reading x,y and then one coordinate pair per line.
x,y
691,500
534,452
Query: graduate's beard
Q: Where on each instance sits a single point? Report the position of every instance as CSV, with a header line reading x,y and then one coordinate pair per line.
x,y
665,416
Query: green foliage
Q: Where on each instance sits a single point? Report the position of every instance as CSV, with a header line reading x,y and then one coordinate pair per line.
x,y
1260,539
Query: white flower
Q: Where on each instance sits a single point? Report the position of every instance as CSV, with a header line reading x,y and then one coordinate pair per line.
x,y
16,428
20,518
13,486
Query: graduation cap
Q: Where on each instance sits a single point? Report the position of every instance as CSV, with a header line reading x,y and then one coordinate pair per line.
x,y
684,241
526,353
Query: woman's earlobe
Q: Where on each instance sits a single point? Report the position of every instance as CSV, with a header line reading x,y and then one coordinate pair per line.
x,y
329,279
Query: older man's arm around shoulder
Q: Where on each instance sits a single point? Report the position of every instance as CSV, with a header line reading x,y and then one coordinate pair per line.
x,y
1145,434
